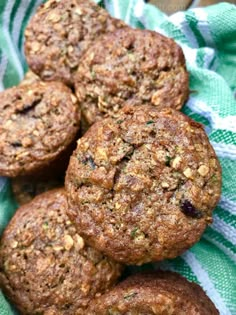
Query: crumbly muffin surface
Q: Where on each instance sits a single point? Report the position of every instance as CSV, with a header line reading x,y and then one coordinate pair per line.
x,y
142,187
159,293
45,265
38,122
131,66
54,47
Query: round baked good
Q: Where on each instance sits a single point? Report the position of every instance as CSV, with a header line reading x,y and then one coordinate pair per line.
x,y
156,293
38,122
26,188
29,78
131,66
45,266
54,48
142,187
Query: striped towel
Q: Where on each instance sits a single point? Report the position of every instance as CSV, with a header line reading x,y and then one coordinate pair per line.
x,y
208,39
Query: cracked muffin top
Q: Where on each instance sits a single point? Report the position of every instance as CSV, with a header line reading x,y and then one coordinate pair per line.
x,y
45,266
154,293
54,48
38,122
130,66
142,187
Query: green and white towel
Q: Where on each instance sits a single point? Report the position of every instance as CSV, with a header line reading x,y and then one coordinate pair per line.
x,y
208,38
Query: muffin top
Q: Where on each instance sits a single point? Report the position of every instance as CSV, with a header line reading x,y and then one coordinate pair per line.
x,y
130,66
54,47
142,187
156,293
45,266
37,123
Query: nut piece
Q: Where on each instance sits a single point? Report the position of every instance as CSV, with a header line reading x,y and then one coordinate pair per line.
x,y
176,162
79,242
188,173
203,170
68,242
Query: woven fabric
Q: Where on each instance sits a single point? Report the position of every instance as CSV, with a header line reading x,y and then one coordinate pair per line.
x,y
208,38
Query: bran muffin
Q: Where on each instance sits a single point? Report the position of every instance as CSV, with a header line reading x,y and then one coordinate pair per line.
x,y
157,293
45,266
142,187
130,66
38,123
29,78
54,48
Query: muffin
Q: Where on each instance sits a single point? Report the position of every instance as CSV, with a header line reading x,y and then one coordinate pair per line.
x,y
45,266
38,123
162,293
142,187
29,78
54,48
130,66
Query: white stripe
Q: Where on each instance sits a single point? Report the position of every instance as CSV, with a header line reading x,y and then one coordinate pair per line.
x,y
206,282
224,150
6,20
209,55
203,26
217,122
128,12
190,55
227,204
226,250
179,20
37,3
139,14
139,8
109,6
3,66
225,229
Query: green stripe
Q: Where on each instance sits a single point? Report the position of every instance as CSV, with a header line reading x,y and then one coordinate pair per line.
x,y
212,63
226,216
213,234
211,258
2,6
195,116
193,23
183,268
11,76
200,58
228,176
13,13
223,136
23,26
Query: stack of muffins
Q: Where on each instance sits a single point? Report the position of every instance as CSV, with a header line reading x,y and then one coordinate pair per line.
x,y
140,185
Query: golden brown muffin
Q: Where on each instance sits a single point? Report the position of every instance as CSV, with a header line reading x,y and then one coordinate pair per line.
x,y
142,187
45,266
38,123
159,293
54,47
130,66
